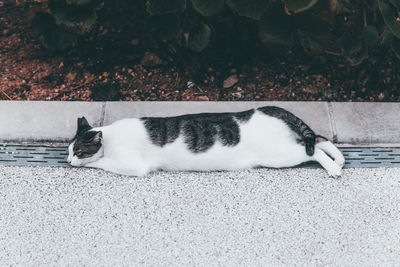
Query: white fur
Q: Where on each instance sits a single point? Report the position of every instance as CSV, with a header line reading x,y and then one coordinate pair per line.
x,y
264,141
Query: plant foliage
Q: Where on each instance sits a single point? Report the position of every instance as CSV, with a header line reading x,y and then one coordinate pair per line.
x,y
297,6
155,7
282,25
253,9
67,20
208,7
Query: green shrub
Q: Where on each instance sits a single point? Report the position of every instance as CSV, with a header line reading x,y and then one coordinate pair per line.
x,y
390,10
282,24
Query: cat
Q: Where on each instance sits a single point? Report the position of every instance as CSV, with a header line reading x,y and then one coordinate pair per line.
x,y
263,137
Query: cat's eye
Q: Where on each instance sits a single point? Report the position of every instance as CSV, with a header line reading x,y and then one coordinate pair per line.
x,y
79,154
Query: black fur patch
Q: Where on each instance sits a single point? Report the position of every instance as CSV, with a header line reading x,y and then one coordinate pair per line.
x,y
244,115
162,131
294,123
200,131
87,144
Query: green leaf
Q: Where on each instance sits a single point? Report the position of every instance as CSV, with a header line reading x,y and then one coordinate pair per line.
x,y
58,39
391,15
78,2
156,7
74,19
208,7
370,35
349,44
78,27
371,4
62,12
199,41
296,6
395,3
276,29
395,45
387,38
166,26
354,49
55,37
358,58
253,9
42,23
87,25
313,32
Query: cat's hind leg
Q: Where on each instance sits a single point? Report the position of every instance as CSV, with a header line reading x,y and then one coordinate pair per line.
x,y
326,162
332,151
296,154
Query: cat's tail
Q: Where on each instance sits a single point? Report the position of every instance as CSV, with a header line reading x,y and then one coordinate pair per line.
x,y
309,139
295,124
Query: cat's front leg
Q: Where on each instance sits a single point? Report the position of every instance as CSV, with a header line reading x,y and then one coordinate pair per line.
x,y
115,166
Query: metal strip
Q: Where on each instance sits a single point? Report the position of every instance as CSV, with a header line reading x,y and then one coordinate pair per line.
x,y
21,155
39,155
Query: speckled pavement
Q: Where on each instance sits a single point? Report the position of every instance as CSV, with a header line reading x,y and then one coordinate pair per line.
x,y
74,217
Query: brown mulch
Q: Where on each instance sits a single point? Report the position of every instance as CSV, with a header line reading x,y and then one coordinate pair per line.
x,y
133,67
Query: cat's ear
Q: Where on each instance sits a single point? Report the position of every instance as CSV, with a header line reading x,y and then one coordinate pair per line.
x,y
83,125
82,122
97,137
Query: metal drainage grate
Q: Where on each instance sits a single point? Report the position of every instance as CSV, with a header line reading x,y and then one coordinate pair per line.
x,y
35,155
366,157
369,157
19,155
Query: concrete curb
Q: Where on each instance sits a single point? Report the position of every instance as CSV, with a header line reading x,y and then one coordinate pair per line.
x,y
351,123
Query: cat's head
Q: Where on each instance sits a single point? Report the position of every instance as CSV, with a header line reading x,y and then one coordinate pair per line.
x,y
86,146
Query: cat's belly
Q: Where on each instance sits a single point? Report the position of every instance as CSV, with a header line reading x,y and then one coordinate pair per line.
x,y
219,157
267,153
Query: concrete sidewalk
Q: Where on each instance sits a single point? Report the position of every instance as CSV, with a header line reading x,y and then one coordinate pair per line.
x,y
291,217
350,123
86,217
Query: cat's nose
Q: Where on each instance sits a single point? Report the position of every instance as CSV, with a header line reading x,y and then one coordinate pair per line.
x,y
69,161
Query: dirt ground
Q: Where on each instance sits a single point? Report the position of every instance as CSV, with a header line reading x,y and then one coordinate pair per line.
x,y
125,64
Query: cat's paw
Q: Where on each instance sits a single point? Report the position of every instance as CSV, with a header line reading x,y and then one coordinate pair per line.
x,y
340,161
335,171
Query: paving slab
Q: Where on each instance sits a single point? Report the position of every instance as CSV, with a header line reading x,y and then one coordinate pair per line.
x,y
354,123
315,114
367,122
44,120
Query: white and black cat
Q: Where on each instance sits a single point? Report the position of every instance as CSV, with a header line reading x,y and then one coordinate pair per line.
x,y
267,136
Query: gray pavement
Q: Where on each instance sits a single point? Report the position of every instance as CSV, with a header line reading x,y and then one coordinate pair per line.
x,y
350,123
367,122
74,217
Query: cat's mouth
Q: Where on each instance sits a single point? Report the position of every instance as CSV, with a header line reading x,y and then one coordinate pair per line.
x,y
75,164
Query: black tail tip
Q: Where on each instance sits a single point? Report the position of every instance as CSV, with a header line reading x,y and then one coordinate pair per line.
x,y
310,150
310,144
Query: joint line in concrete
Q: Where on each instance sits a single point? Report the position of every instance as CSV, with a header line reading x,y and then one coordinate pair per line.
x,y
103,113
332,122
